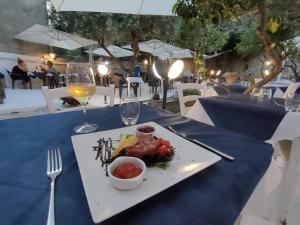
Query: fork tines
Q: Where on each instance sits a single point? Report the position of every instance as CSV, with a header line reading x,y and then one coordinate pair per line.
x,y
54,162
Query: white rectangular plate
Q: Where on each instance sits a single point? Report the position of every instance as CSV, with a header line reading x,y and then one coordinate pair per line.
x,y
105,201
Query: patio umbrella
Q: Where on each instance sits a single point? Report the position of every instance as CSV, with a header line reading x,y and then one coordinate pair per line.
x,y
114,50
52,37
142,7
184,53
156,47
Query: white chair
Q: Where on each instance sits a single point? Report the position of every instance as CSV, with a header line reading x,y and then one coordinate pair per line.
x,y
51,96
184,100
291,89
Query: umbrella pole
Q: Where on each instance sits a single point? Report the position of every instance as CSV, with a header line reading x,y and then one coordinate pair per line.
x,y
165,89
91,56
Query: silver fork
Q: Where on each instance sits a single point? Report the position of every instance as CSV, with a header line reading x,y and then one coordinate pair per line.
x,y
54,168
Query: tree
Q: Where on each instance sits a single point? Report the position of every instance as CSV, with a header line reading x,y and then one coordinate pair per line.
x,y
202,40
249,44
115,29
211,11
292,58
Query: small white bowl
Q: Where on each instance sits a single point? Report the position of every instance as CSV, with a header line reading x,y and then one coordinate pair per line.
x,y
126,184
139,133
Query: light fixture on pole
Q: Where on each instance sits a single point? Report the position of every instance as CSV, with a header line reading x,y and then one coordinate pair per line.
x,y
52,55
173,72
103,69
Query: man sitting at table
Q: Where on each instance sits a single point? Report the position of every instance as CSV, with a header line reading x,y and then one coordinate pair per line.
x,y
51,74
20,72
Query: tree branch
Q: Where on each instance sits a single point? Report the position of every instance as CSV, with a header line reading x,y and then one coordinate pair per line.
x,y
101,43
270,49
135,38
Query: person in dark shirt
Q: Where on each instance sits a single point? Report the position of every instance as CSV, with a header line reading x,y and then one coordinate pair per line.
x,y
51,74
20,72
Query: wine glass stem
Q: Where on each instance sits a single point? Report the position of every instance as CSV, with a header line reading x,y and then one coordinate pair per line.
x,y
84,114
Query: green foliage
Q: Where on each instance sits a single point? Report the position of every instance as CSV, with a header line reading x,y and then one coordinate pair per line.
x,y
249,44
191,91
211,11
202,40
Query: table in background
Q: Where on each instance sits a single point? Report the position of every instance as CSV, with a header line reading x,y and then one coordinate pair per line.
x,y
213,196
240,114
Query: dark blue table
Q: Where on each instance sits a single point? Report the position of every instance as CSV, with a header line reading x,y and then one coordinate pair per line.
x,y
214,196
245,116
229,89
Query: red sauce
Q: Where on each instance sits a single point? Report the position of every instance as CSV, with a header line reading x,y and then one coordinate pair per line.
x,y
126,171
146,129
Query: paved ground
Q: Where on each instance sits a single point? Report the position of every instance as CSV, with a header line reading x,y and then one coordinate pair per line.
x,y
26,102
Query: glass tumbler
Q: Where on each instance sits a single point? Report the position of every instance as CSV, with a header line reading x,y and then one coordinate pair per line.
x,y
129,111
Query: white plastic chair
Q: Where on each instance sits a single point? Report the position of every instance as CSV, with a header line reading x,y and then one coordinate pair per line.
x,y
51,96
291,89
184,99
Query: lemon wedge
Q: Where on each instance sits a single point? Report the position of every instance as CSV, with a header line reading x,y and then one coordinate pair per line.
x,y
124,143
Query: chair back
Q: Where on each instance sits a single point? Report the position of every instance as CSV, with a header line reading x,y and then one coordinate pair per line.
x,y
292,88
51,96
8,72
187,101
136,71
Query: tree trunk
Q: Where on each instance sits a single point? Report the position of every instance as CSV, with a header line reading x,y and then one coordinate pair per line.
x,y
135,38
270,49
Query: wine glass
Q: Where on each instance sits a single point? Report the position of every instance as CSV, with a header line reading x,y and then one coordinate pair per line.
x,y
81,85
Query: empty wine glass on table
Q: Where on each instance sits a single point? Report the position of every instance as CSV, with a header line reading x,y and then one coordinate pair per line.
x,y
81,85
129,110
292,102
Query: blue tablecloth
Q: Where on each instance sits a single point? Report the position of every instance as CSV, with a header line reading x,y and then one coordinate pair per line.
x,y
214,196
242,115
229,89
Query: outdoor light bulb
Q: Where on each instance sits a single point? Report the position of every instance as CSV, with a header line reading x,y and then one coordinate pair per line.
x,y
176,69
52,55
268,63
218,73
103,69
106,62
155,71
212,72
146,62
267,72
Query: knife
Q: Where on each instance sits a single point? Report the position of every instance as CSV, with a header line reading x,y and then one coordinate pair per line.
x,y
207,147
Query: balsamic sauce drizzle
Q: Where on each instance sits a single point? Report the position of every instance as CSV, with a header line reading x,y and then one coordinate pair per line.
x,y
104,150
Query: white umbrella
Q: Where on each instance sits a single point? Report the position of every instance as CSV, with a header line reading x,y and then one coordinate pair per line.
x,y
184,53
52,37
156,47
142,7
114,50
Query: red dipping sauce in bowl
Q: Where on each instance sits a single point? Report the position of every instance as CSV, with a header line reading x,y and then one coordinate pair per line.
x,y
126,171
145,130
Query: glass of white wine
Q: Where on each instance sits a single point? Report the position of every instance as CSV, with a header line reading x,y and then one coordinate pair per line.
x,y
81,85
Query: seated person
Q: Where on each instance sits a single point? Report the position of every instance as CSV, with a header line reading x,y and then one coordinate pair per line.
x,y
20,72
51,74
